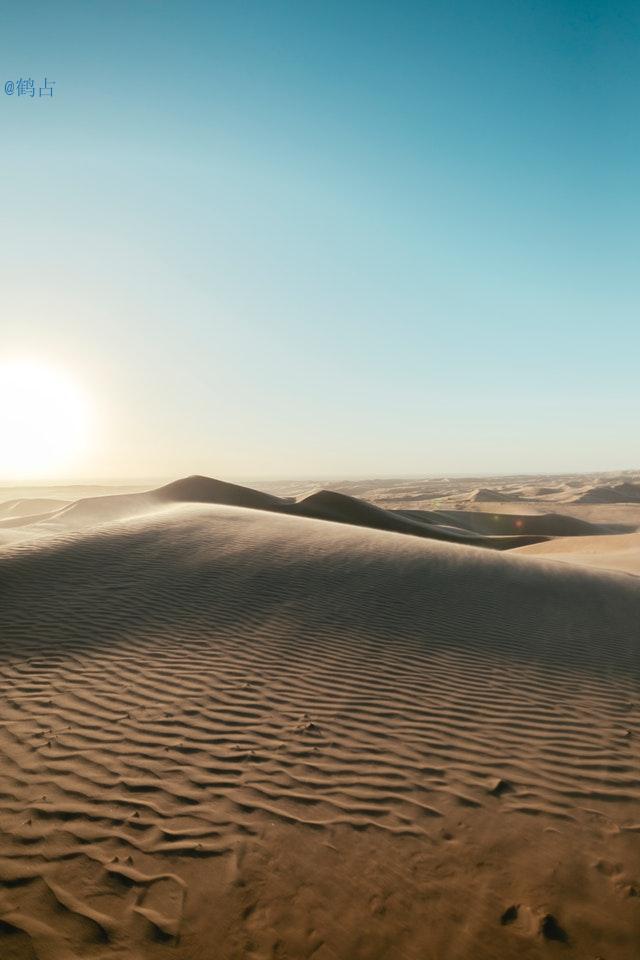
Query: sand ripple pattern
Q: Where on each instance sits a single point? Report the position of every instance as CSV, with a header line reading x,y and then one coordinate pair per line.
x,y
183,692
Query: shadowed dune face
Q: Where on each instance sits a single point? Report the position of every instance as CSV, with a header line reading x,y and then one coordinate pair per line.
x,y
493,496
288,737
613,493
543,526
207,490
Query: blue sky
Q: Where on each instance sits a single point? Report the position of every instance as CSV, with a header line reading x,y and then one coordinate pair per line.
x,y
318,238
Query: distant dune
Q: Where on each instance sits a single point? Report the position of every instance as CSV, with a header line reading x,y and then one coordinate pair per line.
x,y
487,495
546,525
230,729
614,493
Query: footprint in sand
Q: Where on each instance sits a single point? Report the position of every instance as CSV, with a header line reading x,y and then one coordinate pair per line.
x,y
530,922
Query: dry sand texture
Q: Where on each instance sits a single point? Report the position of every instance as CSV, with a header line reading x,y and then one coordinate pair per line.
x,y
239,731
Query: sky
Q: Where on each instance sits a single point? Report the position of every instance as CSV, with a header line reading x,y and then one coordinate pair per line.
x,y
291,239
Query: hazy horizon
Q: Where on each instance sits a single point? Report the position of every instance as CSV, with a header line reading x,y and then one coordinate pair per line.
x,y
138,482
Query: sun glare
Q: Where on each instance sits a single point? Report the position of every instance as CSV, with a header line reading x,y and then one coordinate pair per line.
x,y
44,420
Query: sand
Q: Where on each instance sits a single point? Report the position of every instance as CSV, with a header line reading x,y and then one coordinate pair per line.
x,y
620,552
234,730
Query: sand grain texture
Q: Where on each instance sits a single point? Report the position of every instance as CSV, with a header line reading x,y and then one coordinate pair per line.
x,y
237,733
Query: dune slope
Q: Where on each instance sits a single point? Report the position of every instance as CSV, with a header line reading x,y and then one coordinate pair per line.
x,y
323,504
235,733
620,552
624,492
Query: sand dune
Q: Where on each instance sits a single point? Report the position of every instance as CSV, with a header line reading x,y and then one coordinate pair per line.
x,y
493,496
547,525
324,504
233,732
614,493
12,509
456,493
341,508
207,490
620,552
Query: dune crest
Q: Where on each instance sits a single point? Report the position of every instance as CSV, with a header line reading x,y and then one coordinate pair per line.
x,y
487,495
324,504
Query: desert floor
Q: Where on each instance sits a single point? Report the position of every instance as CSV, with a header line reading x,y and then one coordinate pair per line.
x,y
393,719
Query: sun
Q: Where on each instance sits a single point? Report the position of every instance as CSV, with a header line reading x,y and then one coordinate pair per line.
x,y
44,420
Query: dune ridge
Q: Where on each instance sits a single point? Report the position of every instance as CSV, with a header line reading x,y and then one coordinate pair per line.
x,y
323,504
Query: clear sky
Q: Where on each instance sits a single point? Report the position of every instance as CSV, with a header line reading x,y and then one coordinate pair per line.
x,y
327,238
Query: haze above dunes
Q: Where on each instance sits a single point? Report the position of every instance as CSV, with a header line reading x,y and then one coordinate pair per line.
x,y
375,721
